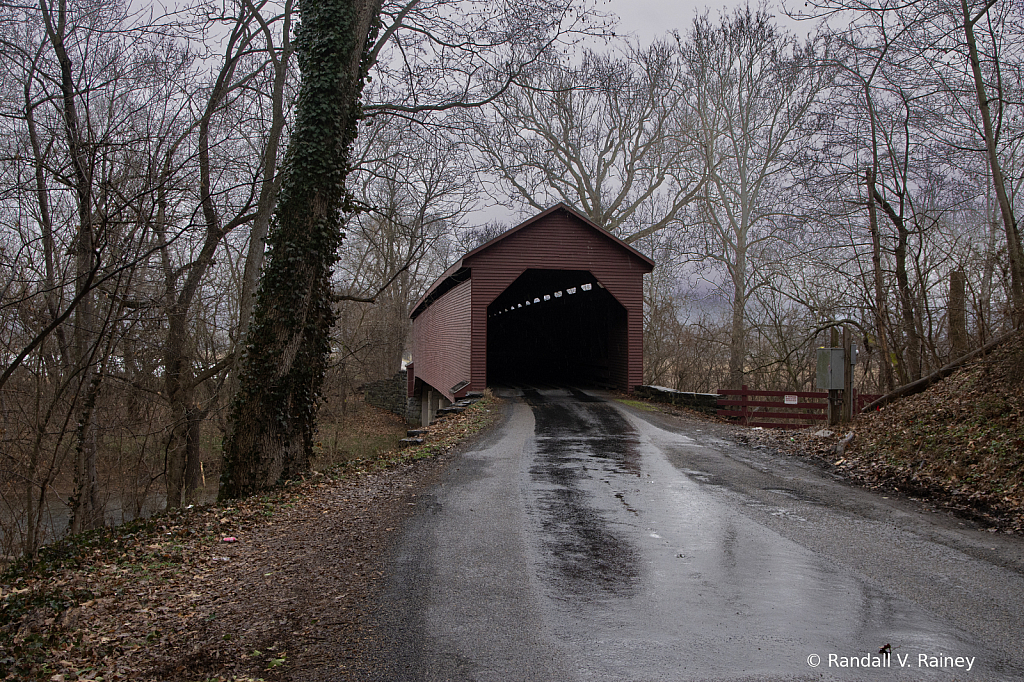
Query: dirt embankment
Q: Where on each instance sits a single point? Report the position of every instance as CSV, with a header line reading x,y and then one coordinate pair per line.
x,y
959,445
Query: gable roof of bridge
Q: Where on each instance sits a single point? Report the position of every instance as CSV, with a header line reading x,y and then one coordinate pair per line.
x,y
459,272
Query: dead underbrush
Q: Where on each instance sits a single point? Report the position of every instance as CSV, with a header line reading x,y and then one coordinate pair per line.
x,y
358,432
274,587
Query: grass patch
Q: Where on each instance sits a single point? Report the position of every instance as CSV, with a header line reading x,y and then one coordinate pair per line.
x,y
363,432
637,404
443,435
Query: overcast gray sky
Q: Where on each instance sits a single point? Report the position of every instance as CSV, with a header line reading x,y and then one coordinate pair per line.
x,y
650,18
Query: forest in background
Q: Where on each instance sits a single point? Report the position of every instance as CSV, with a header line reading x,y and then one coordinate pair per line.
x,y
865,176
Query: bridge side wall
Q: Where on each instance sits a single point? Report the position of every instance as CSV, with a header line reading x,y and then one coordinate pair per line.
x,y
441,341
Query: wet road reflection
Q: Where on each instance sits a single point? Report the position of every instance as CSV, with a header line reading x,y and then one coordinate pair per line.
x,y
657,571
585,552
583,540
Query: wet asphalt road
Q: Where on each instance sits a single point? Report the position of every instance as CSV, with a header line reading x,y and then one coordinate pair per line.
x,y
587,540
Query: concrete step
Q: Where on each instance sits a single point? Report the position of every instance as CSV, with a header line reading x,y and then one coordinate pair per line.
x,y
408,442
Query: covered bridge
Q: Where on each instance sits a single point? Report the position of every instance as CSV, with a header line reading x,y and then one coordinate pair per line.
x,y
555,299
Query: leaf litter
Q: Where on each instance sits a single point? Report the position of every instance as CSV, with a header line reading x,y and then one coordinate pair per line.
x,y
274,587
958,446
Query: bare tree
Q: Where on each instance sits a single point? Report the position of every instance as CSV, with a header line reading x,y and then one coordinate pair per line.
x,y
224,202
435,56
78,185
969,17
753,85
898,143
610,136
159,147
415,185
977,97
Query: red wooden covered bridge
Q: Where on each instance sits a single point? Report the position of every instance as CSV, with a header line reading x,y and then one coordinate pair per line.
x,y
554,300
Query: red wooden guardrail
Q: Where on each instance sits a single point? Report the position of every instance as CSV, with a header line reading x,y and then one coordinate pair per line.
x,y
786,409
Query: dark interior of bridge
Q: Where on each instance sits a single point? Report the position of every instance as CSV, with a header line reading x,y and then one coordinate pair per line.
x,y
556,327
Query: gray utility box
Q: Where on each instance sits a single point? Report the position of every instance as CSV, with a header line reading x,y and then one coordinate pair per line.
x,y
831,368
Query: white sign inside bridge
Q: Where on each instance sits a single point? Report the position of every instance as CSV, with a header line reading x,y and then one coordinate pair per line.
x,y
791,400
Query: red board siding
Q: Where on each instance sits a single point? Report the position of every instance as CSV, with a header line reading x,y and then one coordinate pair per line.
x,y
559,241
441,340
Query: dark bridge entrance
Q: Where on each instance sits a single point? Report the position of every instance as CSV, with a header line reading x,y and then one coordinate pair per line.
x,y
556,327
555,299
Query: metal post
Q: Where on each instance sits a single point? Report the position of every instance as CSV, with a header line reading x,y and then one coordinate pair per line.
x,y
847,376
834,395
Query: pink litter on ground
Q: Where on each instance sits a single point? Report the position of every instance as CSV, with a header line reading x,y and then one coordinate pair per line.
x,y
229,539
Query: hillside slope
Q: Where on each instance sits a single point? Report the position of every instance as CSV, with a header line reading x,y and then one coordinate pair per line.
x,y
959,444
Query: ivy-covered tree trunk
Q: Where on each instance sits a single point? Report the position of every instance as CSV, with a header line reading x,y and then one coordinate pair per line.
x,y
273,417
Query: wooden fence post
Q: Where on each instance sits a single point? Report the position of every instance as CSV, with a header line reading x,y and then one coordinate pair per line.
x,y
744,407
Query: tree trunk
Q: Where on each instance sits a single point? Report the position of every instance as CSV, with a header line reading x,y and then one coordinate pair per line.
x,y
183,454
907,307
885,363
983,303
85,508
1013,243
911,370
957,315
182,466
737,330
85,512
273,417
269,189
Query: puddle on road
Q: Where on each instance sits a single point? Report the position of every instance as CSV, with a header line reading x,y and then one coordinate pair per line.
x,y
797,495
579,445
703,477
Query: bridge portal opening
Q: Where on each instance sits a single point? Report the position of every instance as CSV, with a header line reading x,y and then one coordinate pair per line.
x,y
557,327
